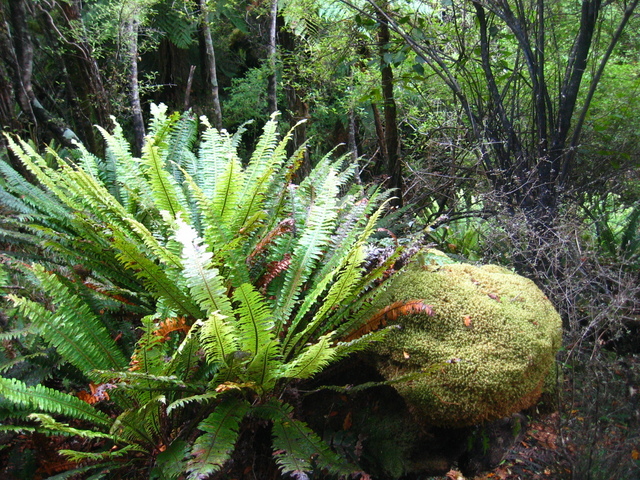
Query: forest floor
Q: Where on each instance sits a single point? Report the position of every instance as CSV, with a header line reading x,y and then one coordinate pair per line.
x,y
593,434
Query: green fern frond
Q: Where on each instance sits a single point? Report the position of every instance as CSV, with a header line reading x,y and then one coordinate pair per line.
x,y
49,423
255,323
44,399
342,287
213,448
78,334
199,399
127,168
48,177
216,150
140,425
136,380
161,182
206,285
311,360
218,338
24,197
296,447
264,367
154,277
309,249
180,144
78,456
226,197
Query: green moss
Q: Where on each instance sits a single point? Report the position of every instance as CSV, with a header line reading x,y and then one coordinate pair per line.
x,y
496,329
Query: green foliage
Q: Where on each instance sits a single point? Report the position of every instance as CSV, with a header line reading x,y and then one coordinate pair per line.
x,y
617,228
217,255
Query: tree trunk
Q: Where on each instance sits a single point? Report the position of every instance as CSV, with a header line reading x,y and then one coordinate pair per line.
x,y
211,65
391,139
16,50
272,88
383,159
85,88
134,87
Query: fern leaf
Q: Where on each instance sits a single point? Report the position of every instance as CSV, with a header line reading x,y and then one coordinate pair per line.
x,y
309,249
153,276
48,400
199,399
216,149
342,286
255,327
226,197
213,448
163,188
49,423
296,446
218,338
264,161
311,360
255,322
206,285
127,168
78,335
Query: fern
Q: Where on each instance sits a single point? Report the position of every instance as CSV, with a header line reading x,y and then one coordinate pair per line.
x,y
309,248
161,182
218,338
265,276
212,449
297,447
49,423
45,399
206,285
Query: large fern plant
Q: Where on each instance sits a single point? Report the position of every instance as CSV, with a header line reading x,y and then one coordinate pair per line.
x,y
244,284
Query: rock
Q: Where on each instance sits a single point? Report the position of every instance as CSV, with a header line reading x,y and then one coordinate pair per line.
x,y
483,354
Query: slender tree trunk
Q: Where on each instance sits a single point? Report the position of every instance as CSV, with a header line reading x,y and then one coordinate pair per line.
x,y
187,92
353,142
383,157
272,88
391,139
16,50
85,88
134,87
211,65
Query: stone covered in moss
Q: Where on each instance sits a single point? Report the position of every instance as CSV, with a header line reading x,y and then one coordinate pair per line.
x,y
484,353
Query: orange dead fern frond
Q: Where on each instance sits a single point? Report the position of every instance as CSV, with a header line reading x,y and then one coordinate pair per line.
x,y
177,324
389,314
283,227
274,269
98,393
107,293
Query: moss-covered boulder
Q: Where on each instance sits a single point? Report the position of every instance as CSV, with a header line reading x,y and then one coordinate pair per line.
x,y
492,338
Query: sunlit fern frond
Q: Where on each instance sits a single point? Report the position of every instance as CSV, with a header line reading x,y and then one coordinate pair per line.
x,y
206,285
76,332
313,239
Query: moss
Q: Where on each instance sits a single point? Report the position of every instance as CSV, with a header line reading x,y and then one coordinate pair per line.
x,y
493,337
